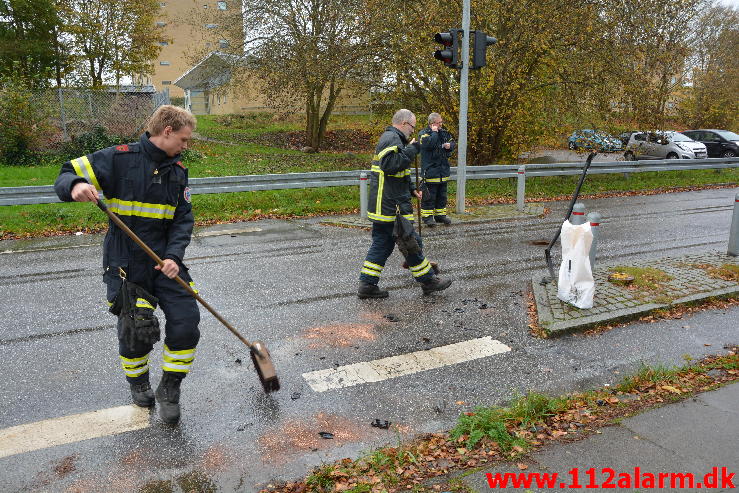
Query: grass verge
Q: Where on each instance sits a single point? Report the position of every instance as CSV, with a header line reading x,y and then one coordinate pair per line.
x,y
497,434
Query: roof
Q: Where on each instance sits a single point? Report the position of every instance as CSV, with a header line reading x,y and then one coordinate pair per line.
x,y
212,71
131,89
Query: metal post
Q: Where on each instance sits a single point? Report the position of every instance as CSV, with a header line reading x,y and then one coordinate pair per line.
x,y
521,192
363,195
463,78
578,214
734,232
594,219
62,114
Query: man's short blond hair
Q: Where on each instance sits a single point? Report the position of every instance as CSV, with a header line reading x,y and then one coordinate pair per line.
x,y
170,116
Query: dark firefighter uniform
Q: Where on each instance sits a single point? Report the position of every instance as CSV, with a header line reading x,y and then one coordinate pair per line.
x,y
148,191
435,171
390,191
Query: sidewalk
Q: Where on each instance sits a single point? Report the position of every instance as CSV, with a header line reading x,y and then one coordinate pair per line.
x,y
692,281
691,436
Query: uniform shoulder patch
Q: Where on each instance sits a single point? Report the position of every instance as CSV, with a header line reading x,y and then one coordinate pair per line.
x,y
122,148
187,195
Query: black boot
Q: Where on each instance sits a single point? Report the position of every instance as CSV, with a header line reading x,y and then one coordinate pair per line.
x,y
367,290
142,394
168,397
435,284
429,221
443,220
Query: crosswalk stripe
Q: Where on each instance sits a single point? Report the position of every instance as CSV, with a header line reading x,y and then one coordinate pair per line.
x,y
404,364
70,429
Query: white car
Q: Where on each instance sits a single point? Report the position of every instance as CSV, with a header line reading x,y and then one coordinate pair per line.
x,y
663,145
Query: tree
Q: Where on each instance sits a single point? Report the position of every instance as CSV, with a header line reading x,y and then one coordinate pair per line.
x,y
549,54
711,101
110,39
27,40
307,53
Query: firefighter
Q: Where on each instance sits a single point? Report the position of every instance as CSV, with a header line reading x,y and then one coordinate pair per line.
x,y
390,193
145,184
436,146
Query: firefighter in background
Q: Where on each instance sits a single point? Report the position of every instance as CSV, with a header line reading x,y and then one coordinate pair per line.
x,y
436,146
146,186
390,192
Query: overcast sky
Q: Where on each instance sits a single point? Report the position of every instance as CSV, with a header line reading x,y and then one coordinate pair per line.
x,y
732,3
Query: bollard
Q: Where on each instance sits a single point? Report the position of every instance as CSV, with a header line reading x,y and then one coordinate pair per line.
x,y
734,232
521,192
363,195
578,214
594,219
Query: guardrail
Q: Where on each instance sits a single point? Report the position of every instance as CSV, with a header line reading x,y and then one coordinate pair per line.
x,y
247,183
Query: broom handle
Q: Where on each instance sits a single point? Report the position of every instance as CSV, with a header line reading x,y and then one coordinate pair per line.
x,y
159,261
418,189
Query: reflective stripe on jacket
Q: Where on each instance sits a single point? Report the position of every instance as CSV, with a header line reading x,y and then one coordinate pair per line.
x,y
390,183
146,189
434,158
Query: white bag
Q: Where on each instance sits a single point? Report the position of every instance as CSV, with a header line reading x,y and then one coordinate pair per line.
x,y
576,285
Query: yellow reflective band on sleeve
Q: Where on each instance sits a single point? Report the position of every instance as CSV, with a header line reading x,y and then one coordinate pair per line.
x,y
384,152
420,139
142,303
141,209
437,180
83,168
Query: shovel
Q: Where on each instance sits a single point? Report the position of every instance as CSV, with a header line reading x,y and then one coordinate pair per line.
x,y
259,353
434,265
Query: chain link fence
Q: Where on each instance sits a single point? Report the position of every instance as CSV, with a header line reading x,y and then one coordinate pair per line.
x,y
121,112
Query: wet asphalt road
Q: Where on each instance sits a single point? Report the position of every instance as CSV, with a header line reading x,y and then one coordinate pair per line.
x,y
292,284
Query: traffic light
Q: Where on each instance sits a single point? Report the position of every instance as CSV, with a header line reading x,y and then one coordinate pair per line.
x,y
450,54
482,41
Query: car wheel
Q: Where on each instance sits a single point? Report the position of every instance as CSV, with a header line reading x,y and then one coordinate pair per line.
x,y
629,156
571,145
672,155
728,154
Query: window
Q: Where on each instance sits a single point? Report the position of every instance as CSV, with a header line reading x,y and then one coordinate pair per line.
x,y
205,6
161,24
219,99
222,6
163,43
640,137
211,26
163,63
162,4
222,43
166,82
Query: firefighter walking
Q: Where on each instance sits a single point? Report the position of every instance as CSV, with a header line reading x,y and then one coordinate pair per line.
x,y
390,191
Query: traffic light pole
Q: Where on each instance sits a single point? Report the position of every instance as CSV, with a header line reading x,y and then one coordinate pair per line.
x,y
463,78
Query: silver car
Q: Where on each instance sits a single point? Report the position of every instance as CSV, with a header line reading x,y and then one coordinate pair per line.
x,y
663,145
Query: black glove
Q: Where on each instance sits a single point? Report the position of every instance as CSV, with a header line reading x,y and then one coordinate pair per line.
x,y
135,307
417,146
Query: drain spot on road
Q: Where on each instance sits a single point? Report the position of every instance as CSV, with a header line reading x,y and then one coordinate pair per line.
x,y
339,335
295,437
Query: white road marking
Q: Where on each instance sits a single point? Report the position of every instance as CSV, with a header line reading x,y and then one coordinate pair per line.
x,y
404,364
71,429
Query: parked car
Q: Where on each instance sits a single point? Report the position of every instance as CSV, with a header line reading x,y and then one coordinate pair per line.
x,y
719,143
625,136
663,145
590,139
